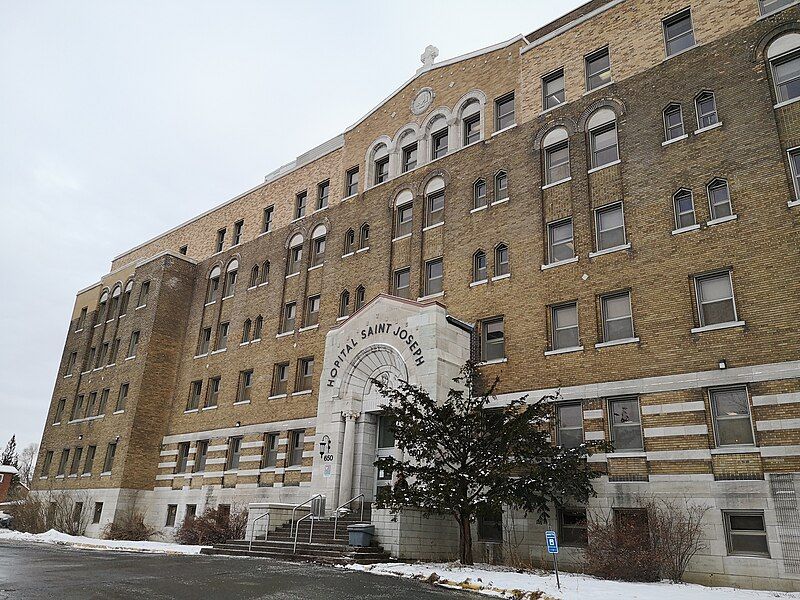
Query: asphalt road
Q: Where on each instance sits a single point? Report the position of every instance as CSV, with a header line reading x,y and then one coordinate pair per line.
x,y
39,571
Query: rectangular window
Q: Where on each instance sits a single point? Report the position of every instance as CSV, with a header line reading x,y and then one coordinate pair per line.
x,y
786,73
237,233
746,533
62,403
101,408
402,283
200,455
565,326
731,410
381,170
386,431
434,272
280,379
617,317
770,6
351,182
212,391
719,199
300,205
706,110
289,315
195,394
245,386
439,144
296,447
183,456
205,341
48,460
81,319
77,408
598,69
101,356
134,343
122,397
112,357
678,32
561,245
673,122
794,163
610,225
570,424
62,464
89,462
268,215
191,512
572,529
111,451
172,511
323,190
553,89
501,186
504,112
73,358
434,208
556,160
305,374
76,461
472,129
626,424
222,336
404,220
493,339
220,240
312,311
270,456
90,405
605,149
361,295
409,157
90,362
234,452
684,209
479,193
715,302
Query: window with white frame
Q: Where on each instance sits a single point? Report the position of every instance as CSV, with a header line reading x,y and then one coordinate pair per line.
x,y
553,89
683,202
479,266
312,310
434,208
598,69
204,341
238,227
794,165
784,59
438,138
560,242
564,319
257,327
434,272
610,227
295,255
501,186
323,191
617,317
222,336
363,237
746,533
349,242
270,456
220,240
403,221
234,452
730,408
254,275
471,122
351,182
344,304
409,157
715,301
213,285
706,104
771,6
361,297
231,273
569,422
318,245
719,199
380,160
296,447
266,224
300,203
280,379
305,374
493,339
678,32
212,391
504,112
501,264
673,122
556,156
603,144
479,193
626,424
289,315
402,283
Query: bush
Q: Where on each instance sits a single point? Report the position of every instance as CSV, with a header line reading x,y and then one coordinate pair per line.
x,y
62,511
28,515
130,527
214,526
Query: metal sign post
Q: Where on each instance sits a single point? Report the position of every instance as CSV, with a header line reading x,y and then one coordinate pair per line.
x,y
552,548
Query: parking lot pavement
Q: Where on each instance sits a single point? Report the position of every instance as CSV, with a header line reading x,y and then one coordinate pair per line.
x,y
44,572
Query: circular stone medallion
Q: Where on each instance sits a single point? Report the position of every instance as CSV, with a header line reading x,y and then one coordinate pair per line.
x,y
423,101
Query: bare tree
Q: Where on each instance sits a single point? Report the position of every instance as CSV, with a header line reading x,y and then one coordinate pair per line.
x,y
677,531
27,463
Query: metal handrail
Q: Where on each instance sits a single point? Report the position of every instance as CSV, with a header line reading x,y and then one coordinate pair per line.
x,y
253,529
291,528
338,508
297,530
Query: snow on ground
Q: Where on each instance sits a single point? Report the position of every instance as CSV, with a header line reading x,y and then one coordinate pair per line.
x,y
56,537
497,582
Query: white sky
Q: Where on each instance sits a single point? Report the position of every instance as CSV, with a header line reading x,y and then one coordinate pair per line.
x,y
119,120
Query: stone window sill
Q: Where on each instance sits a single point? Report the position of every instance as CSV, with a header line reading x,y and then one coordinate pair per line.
x,y
240,402
284,334
301,393
721,220
344,318
221,350
348,254
709,128
718,326
494,361
210,303
477,283
319,266
309,328
401,237
503,276
499,131
434,226
501,201
787,102
563,350
118,412
677,139
276,397
430,296
478,209
364,249
555,183
201,355
610,250
632,340
735,450
686,229
777,10
559,263
290,275
210,407
605,166
140,307
793,203
191,410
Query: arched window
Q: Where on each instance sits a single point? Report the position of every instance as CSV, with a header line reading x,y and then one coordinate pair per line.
x,y
101,308
471,122
318,245
556,156
246,331
784,59
295,255
114,304
434,202
479,193
363,239
602,127
439,137
344,304
501,266
349,242
380,163
706,105
479,266
213,285
361,295
264,273
683,201
126,298
719,199
673,122
500,186
230,279
259,324
254,272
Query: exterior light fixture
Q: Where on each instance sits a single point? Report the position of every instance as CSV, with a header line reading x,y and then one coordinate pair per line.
x,y
723,364
238,423
80,437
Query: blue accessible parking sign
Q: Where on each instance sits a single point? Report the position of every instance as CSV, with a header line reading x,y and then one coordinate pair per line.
x,y
552,542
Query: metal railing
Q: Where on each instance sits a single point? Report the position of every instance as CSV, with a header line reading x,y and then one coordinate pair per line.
x,y
253,529
315,496
297,530
338,508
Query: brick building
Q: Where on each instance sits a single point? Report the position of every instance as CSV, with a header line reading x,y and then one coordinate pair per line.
x,y
608,206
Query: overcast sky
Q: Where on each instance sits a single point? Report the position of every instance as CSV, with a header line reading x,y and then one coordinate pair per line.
x,y
119,120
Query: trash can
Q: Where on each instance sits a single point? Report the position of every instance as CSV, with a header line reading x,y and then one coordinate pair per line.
x,y
360,534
